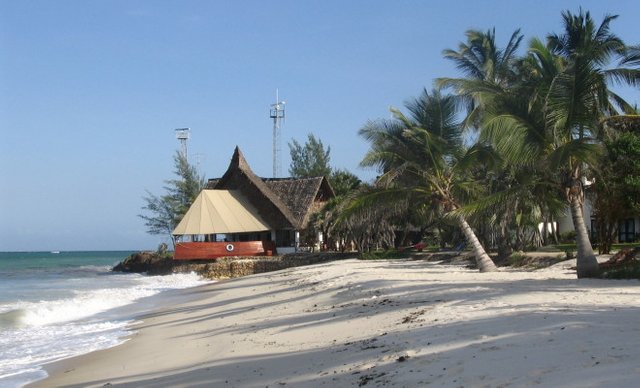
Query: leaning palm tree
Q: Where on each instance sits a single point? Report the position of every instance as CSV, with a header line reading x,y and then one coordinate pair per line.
x,y
488,67
514,124
423,156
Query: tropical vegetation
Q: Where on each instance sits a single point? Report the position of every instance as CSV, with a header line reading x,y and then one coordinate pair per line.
x,y
162,213
538,135
310,159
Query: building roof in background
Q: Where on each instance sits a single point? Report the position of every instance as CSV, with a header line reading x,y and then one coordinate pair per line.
x,y
300,194
629,123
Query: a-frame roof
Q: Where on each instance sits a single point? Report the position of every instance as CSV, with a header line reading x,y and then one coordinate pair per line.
x,y
220,212
239,176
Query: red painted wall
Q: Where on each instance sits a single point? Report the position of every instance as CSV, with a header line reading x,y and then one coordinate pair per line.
x,y
213,250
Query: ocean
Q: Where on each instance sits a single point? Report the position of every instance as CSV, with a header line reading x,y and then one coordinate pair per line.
x,y
55,305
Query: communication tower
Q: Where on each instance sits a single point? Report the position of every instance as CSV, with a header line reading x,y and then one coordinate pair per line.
x,y
277,114
182,134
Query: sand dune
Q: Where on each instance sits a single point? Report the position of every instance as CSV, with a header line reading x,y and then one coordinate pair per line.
x,y
380,323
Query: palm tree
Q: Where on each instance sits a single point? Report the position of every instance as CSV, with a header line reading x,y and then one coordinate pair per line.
x,y
487,67
549,119
514,124
484,64
423,156
578,98
517,122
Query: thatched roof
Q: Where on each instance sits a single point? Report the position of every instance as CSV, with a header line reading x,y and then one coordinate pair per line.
x,y
627,123
283,202
300,194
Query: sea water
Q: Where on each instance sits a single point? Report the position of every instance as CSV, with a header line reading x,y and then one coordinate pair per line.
x,y
55,305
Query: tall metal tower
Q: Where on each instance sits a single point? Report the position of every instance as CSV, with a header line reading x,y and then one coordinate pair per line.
x,y
277,114
182,134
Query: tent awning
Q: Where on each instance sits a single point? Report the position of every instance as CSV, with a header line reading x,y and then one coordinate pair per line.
x,y
220,211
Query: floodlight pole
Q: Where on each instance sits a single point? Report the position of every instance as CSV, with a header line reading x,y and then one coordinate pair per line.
x,y
182,134
277,114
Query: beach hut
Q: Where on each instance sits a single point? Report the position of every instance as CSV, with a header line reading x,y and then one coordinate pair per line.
x,y
241,214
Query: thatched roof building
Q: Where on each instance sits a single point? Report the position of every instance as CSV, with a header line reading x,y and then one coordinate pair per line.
x,y
241,214
285,203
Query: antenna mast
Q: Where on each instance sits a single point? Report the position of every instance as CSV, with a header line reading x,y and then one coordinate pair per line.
x,y
277,114
182,134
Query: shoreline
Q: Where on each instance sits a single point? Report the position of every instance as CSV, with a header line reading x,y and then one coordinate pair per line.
x,y
376,323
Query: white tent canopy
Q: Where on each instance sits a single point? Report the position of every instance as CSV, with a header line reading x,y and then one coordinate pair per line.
x,y
220,211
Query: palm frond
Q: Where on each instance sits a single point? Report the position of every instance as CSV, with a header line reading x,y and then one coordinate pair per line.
x,y
583,151
631,56
624,76
379,198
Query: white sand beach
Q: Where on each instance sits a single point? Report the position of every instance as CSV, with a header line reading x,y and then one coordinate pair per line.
x,y
380,323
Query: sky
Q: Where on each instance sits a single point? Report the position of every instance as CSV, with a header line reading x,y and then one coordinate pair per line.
x,y
91,93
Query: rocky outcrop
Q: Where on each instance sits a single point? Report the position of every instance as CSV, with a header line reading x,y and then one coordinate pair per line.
x,y
223,268
153,263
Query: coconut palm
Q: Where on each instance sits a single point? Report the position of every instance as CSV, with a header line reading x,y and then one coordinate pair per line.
x,y
527,193
549,119
578,98
487,67
423,156
517,122
484,65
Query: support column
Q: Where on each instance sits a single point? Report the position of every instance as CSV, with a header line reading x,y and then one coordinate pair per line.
x,y
319,240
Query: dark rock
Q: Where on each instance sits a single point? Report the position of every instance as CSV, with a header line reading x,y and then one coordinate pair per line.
x,y
152,263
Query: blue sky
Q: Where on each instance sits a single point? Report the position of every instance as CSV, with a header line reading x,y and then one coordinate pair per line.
x,y
91,92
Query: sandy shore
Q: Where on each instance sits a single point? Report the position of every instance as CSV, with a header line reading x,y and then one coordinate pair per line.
x,y
380,323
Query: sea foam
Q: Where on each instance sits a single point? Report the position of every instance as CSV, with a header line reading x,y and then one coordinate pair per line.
x,y
92,316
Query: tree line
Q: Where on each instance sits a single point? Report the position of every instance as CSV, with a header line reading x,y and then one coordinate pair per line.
x,y
542,132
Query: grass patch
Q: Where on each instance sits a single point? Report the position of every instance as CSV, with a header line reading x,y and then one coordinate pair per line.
x,y
617,247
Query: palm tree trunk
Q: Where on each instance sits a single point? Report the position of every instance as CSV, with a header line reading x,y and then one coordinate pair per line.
x,y
483,261
587,265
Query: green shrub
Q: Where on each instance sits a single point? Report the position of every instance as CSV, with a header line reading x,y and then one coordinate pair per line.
x,y
629,271
567,237
517,259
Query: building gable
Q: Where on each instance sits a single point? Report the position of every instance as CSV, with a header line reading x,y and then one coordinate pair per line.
x,y
285,202
239,176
